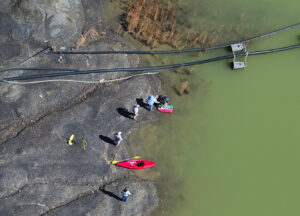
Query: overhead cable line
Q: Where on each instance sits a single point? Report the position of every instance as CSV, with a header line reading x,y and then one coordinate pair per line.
x,y
69,72
48,50
170,51
82,81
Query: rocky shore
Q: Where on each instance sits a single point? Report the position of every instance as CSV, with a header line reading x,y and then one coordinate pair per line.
x,y
40,173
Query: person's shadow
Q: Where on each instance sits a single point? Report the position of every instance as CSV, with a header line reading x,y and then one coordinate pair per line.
x,y
124,112
140,102
107,139
110,194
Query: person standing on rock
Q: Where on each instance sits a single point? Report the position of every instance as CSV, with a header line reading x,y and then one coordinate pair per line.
x,y
135,111
125,193
118,138
151,100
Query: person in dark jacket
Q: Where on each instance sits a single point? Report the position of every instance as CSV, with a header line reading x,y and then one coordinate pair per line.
x,y
163,99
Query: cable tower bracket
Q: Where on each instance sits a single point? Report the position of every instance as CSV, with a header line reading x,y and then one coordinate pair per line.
x,y
240,48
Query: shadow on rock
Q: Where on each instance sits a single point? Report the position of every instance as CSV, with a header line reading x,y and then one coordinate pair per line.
x,y
110,194
124,112
107,139
141,103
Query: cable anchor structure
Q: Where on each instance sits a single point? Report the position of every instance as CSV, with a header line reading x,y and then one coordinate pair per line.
x,y
240,48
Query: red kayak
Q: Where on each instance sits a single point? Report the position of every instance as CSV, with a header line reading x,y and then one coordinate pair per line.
x,y
165,109
136,164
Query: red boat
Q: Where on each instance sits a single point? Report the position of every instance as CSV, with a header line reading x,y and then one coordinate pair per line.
x,y
165,109
136,164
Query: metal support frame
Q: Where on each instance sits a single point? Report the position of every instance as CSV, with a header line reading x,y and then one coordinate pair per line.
x,y
239,47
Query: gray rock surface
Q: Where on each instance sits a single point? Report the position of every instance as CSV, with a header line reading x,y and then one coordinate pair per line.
x,y
40,173
60,20
141,201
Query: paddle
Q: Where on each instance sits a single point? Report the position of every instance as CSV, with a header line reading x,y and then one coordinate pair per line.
x,y
71,139
115,161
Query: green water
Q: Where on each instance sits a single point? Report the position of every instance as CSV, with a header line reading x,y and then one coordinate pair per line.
x,y
231,146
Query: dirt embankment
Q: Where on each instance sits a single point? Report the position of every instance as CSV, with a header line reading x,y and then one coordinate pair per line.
x,y
40,173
